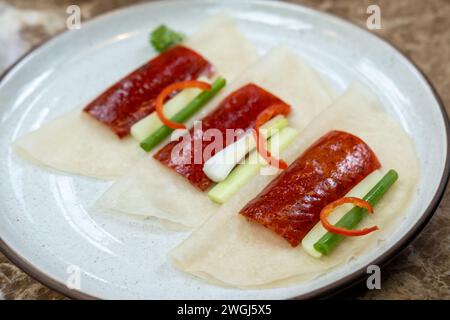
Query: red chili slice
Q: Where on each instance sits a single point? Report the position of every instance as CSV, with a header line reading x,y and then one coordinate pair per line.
x,y
326,211
266,115
168,91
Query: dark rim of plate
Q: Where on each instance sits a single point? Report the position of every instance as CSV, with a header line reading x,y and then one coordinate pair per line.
x,y
326,291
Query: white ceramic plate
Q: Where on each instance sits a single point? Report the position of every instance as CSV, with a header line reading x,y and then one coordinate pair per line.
x,y
46,224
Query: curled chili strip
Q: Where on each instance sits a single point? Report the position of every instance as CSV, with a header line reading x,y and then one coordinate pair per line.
x,y
263,117
326,211
168,91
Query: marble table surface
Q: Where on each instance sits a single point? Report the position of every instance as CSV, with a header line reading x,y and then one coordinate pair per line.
x,y
421,29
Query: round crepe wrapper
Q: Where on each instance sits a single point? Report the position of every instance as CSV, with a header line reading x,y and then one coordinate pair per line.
x,y
229,250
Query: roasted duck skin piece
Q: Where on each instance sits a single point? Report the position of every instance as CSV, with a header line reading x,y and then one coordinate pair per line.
x,y
290,205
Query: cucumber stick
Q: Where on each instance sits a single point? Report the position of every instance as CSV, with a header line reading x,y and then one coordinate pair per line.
x,y
319,231
218,167
148,125
247,170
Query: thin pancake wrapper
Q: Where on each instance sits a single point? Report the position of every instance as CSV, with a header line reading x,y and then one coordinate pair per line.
x,y
229,250
75,143
152,189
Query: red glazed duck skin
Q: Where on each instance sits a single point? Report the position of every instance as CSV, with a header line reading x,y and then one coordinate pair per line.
x,y
290,205
239,110
133,97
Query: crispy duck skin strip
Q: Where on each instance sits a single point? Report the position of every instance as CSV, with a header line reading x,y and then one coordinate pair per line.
x,y
134,97
291,204
239,110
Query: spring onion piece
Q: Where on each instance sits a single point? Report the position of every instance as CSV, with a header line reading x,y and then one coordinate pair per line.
x,y
171,89
218,167
319,231
195,105
350,220
148,125
245,171
162,38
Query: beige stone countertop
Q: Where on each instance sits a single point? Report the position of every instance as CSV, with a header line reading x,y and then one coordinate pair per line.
x,y
421,29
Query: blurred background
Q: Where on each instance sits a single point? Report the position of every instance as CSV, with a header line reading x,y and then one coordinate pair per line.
x,y
420,29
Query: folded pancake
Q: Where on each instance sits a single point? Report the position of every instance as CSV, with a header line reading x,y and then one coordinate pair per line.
x,y
230,250
75,144
153,189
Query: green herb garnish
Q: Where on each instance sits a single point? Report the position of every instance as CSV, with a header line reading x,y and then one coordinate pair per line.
x,y
162,38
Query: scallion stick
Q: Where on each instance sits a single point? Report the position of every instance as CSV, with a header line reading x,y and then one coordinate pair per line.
x,y
350,220
195,105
